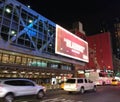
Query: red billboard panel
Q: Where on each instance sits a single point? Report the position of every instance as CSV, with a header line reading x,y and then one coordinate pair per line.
x,y
69,45
101,52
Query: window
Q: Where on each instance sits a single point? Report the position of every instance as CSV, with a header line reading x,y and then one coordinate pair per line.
x,y
44,64
19,83
85,80
80,80
70,81
5,58
53,65
24,61
29,61
25,83
12,59
34,63
12,82
0,56
18,60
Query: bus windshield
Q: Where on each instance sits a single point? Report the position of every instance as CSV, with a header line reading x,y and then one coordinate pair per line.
x,y
103,74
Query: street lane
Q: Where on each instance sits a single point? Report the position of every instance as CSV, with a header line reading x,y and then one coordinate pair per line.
x,y
103,94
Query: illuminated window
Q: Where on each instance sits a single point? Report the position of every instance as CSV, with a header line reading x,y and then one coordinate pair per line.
x,y
18,60
65,67
38,62
54,65
0,56
29,61
5,58
24,61
44,64
34,63
12,59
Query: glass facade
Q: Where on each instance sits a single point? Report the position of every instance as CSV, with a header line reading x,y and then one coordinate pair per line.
x,y
16,65
28,60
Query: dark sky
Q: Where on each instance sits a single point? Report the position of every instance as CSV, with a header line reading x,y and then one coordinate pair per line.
x,y
64,12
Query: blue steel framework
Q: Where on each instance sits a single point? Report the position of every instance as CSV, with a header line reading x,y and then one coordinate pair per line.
x,y
22,26
24,31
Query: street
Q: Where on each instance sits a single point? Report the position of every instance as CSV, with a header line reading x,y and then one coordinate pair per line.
x,y
103,94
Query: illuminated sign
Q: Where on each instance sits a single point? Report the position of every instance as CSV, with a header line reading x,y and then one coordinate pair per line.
x,y
69,45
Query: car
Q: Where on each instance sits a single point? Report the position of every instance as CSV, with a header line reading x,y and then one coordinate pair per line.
x,y
62,85
11,88
79,85
115,82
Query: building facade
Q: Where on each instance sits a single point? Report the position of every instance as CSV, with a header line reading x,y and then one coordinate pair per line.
x,y
27,45
100,52
113,26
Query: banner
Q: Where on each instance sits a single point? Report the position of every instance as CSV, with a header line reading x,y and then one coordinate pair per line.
x,y
70,45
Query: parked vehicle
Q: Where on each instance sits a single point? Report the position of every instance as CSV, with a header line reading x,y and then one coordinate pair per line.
x,y
11,88
79,85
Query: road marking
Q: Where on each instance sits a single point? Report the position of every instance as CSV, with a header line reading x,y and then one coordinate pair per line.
x,y
59,100
51,100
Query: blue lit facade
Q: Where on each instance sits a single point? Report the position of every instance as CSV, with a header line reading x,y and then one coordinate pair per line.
x,y
27,44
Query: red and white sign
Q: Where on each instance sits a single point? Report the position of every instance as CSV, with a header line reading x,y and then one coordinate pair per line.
x,y
69,45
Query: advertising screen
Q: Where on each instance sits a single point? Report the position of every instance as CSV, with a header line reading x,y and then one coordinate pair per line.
x,y
69,45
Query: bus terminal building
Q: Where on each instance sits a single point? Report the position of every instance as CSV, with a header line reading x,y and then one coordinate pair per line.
x,y
32,46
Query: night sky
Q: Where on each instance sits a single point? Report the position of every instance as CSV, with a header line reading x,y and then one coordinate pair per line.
x,y
91,13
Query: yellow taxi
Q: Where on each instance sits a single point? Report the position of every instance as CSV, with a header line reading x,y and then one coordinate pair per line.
x,y
114,82
62,85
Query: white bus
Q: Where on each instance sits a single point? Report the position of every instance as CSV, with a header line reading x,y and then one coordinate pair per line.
x,y
100,78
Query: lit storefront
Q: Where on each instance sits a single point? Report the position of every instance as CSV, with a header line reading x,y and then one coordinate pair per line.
x,y
15,65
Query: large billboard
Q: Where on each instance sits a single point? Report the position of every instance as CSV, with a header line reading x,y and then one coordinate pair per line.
x,y
70,45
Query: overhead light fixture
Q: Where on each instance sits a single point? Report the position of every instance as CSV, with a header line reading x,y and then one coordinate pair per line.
x,y
30,21
28,6
8,10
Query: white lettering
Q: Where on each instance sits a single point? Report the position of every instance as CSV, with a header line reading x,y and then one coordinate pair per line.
x,y
85,57
68,42
74,45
